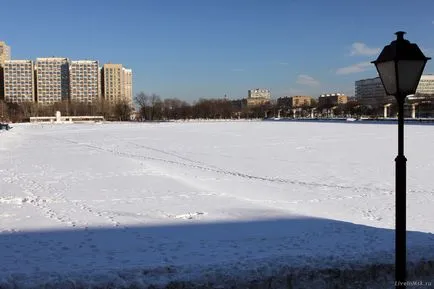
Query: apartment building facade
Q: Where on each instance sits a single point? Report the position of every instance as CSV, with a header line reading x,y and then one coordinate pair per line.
x,y
112,80
300,101
5,55
297,101
117,83
52,80
426,85
128,85
55,79
332,99
19,86
259,93
258,96
84,81
370,92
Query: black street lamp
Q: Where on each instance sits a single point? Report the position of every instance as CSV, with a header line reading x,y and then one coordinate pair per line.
x,y
400,66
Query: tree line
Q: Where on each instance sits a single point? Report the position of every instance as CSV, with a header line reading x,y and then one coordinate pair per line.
x,y
151,107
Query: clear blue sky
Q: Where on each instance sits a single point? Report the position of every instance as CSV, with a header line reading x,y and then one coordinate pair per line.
x,y
207,48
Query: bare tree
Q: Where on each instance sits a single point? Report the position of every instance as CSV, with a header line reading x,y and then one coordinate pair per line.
x,y
142,100
122,110
151,107
15,112
156,107
171,108
29,109
3,111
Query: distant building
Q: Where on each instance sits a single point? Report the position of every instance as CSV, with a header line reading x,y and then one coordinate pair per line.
x,y
84,81
52,80
300,101
19,81
5,54
128,85
55,79
259,93
294,101
256,101
332,99
117,83
111,82
426,85
285,102
258,96
1,83
370,92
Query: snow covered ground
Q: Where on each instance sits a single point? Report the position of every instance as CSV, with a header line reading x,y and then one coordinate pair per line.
x,y
152,203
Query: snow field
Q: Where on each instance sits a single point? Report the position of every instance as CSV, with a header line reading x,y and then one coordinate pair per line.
x,y
155,203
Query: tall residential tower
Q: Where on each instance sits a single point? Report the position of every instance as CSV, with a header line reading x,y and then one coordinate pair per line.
x,y
84,81
112,83
128,85
19,81
52,80
5,54
116,83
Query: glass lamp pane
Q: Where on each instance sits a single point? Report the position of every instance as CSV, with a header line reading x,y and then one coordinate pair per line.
x,y
409,73
387,73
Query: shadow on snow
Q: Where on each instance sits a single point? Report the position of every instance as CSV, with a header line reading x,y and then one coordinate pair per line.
x,y
193,251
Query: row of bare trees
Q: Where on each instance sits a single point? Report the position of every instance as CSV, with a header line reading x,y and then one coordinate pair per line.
x,y
151,107
19,112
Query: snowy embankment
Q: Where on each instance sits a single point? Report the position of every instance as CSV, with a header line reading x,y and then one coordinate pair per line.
x,y
126,205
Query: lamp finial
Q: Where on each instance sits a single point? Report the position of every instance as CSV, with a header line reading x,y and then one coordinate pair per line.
x,y
400,35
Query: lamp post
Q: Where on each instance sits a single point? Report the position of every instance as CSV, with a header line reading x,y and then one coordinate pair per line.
x,y
400,66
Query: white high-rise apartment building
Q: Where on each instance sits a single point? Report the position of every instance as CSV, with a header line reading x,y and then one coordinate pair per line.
x,y
52,80
259,93
5,53
84,81
128,85
112,76
117,83
426,85
258,96
19,81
